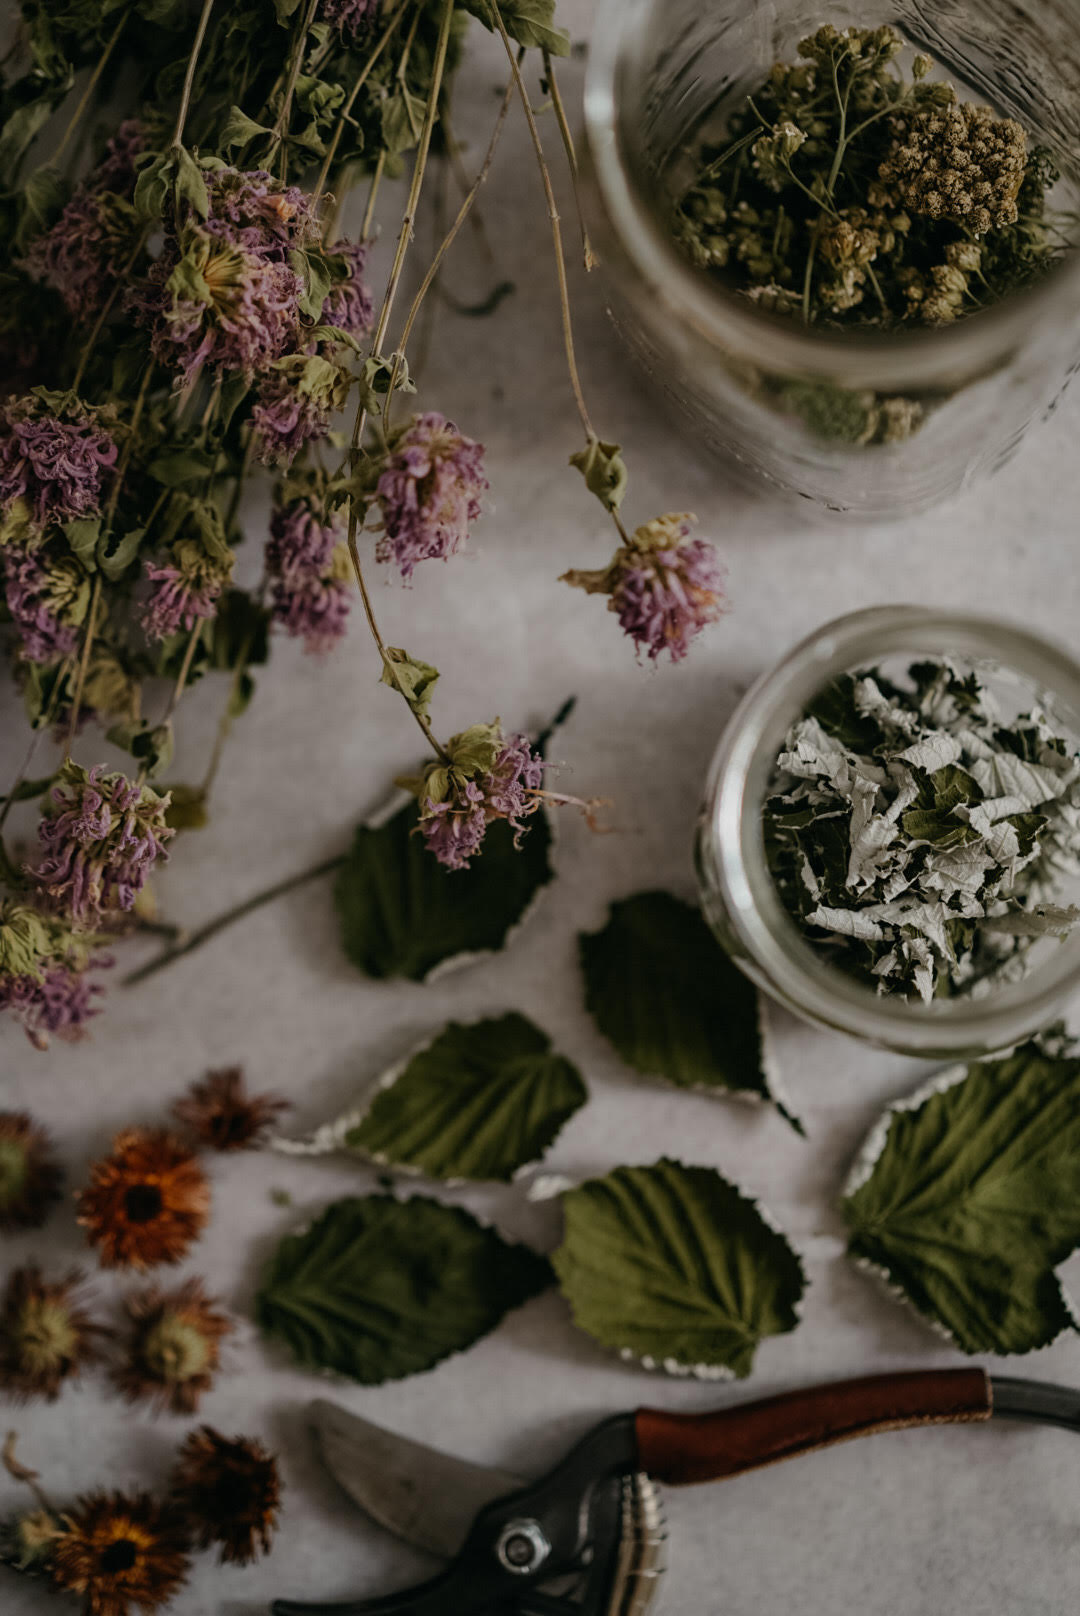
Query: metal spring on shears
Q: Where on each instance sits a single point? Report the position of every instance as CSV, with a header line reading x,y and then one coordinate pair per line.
x,y
642,1548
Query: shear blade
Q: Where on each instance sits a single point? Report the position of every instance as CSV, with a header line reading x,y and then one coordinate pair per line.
x,y
427,1497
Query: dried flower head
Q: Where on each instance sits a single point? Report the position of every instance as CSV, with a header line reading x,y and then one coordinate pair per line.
x,y
27,1541
663,586
120,1552
43,980
487,776
180,595
147,1202
30,1176
349,304
229,1492
429,492
100,837
46,1335
297,397
47,594
957,162
55,463
310,572
351,16
174,1348
223,1115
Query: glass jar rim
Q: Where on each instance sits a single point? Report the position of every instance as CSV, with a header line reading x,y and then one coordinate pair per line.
x,y
676,290
735,848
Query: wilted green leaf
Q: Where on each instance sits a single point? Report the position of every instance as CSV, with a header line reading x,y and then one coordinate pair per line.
x,y
187,808
604,471
149,744
82,534
478,1102
675,1266
530,22
968,1199
402,913
30,790
121,552
416,680
238,129
378,1289
661,988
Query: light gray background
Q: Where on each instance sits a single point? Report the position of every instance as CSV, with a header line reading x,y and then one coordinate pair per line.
x,y
904,1525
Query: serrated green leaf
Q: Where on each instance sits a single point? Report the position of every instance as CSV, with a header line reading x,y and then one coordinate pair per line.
x,y
378,1289
402,913
675,1266
238,129
530,22
478,1102
83,534
191,183
660,987
114,562
968,1199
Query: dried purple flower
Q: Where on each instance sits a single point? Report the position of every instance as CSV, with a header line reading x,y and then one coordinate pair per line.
x,y
310,570
253,211
117,170
429,492
58,1006
55,464
100,838
349,304
176,601
349,15
47,598
297,397
315,610
87,248
455,828
663,586
302,543
488,776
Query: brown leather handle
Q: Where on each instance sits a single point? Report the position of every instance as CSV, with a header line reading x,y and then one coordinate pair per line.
x,y
686,1448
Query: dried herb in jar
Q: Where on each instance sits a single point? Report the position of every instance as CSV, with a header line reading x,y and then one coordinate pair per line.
x,y
920,843
850,191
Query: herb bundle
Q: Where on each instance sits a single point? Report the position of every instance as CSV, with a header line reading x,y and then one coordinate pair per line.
x,y
182,311
847,192
919,842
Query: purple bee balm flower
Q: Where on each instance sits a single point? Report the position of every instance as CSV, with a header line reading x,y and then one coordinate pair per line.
x,y
100,838
31,600
85,251
349,304
57,466
251,210
429,492
349,15
59,1005
285,418
312,609
454,830
301,544
663,586
117,170
176,601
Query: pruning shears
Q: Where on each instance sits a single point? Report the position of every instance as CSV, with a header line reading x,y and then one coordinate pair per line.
x,y
588,1539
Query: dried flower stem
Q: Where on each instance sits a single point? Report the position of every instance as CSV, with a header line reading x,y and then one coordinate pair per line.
x,y
189,76
225,722
20,1472
85,98
84,660
197,938
571,157
281,122
343,118
373,195
185,669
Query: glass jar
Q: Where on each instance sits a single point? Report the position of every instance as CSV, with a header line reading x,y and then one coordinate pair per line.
x,y
773,395
740,898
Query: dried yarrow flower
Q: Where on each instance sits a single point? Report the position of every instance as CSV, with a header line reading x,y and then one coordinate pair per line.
x,y
43,980
100,837
27,1541
47,594
429,491
663,586
147,1202
30,1176
229,1492
488,776
46,1334
54,463
120,1552
223,1115
349,304
174,1347
957,162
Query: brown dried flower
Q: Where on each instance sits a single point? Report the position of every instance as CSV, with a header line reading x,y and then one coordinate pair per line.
x,y
174,1349
46,1335
223,1115
30,1178
230,1494
147,1202
120,1552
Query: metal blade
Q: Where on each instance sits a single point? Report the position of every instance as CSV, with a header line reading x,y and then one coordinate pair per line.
x,y
426,1497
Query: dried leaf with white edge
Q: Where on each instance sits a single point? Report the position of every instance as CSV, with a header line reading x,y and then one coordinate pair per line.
x,y
477,1102
966,1199
675,1267
378,1289
661,988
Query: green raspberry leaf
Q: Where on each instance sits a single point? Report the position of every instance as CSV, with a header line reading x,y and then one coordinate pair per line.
x,y
378,1289
676,1267
967,1198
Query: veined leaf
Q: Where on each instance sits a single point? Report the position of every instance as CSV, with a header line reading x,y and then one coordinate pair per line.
x,y
378,1289
674,1266
530,22
661,988
403,914
967,1198
478,1102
